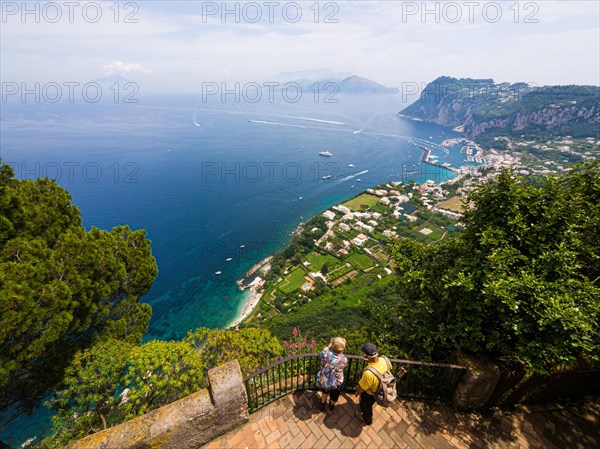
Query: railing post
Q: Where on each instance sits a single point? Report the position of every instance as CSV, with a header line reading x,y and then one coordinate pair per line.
x,y
423,381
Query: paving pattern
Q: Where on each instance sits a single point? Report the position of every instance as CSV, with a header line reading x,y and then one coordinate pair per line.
x,y
295,421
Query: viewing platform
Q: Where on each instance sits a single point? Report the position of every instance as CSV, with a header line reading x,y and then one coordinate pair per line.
x,y
295,421
279,407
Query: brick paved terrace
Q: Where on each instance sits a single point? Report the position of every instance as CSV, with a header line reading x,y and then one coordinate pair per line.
x,y
295,421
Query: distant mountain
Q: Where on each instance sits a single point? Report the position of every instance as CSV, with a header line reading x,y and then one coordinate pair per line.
x,y
308,75
485,109
346,83
359,85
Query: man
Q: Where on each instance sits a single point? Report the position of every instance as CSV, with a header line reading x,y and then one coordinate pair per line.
x,y
369,383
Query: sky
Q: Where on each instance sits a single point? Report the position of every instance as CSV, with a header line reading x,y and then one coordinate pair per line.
x,y
176,46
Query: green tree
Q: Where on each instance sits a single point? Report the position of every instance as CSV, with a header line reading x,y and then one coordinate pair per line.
x,y
61,288
89,400
115,381
159,373
253,348
521,281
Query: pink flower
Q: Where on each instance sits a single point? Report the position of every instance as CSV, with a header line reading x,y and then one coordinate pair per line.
x,y
295,331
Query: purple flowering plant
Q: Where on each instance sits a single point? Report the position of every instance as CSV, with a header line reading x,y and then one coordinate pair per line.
x,y
297,345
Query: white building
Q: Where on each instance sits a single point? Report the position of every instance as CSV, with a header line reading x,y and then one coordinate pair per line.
x,y
344,227
329,215
360,240
364,226
389,233
343,209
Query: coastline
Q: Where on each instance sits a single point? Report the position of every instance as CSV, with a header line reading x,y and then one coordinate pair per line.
x,y
255,288
425,160
254,283
250,303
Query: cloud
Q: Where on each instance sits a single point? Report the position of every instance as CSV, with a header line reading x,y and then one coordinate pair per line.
x,y
122,68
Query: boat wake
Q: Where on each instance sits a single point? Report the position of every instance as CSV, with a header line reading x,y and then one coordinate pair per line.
x,y
347,178
313,120
195,117
264,122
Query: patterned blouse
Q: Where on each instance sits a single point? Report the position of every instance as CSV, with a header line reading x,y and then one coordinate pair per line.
x,y
331,375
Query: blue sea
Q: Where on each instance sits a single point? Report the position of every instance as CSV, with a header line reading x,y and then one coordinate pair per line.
x,y
213,180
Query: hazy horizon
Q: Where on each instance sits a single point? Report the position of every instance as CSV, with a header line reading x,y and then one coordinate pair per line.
x,y
174,47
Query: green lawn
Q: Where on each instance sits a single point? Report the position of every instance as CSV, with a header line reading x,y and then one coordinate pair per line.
x,y
436,232
453,204
339,272
363,200
380,254
318,260
293,281
360,261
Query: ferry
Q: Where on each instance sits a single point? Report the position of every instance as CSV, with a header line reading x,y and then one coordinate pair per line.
x,y
326,153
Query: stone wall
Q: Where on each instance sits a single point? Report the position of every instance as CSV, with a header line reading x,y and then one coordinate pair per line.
x,y
477,384
185,424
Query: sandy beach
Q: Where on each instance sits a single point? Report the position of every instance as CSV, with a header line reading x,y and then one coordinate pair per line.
x,y
255,289
251,302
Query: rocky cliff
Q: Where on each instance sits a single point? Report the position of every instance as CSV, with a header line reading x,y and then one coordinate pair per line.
x,y
483,107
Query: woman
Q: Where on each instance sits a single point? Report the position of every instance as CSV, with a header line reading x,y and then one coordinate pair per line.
x,y
331,375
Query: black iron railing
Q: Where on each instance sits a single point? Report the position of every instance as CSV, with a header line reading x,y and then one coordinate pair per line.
x,y
422,380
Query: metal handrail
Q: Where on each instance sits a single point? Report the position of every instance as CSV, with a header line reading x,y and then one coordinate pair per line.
x,y
424,380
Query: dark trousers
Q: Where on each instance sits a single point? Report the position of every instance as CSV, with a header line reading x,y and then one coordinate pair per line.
x,y
334,394
366,407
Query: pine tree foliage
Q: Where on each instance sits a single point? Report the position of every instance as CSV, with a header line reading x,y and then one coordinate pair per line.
x,y
62,288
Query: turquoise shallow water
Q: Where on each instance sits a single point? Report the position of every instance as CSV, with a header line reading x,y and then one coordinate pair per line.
x,y
228,188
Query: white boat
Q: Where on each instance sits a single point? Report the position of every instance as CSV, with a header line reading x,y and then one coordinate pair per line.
x,y
217,272
300,198
351,165
358,180
326,153
241,246
351,187
229,259
327,177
